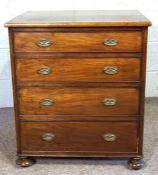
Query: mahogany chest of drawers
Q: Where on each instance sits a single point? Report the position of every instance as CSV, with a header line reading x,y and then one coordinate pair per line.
x,y
78,81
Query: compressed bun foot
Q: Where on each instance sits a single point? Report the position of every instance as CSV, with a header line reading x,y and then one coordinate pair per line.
x,y
135,163
25,161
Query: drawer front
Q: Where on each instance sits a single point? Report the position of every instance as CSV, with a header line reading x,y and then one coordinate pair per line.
x,y
102,136
105,41
78,69
74,100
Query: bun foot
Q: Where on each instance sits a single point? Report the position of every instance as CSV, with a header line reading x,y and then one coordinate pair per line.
x,y
135,163
25,161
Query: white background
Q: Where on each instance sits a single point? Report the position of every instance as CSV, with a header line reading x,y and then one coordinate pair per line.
x,y
11,8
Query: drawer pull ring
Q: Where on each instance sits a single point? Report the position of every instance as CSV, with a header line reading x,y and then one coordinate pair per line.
x,y
47,102
48,137
109,101
44,42
110,42
111,70
44,70
109,137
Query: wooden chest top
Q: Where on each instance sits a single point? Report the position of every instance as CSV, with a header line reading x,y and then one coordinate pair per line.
x,y
93,18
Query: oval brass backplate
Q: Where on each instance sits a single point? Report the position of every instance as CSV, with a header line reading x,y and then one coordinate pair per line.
x,y
44,70
47,102
48,137
109,101
110,70
110,42
44,42
109,137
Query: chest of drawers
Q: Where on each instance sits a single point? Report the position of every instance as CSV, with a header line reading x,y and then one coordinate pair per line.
x,y
78,81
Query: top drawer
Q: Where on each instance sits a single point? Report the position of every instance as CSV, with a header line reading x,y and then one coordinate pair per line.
x,y
102,41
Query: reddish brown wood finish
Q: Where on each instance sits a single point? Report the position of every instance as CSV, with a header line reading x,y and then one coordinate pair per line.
x,y
79,101
75,69
86,136
78,84
78,41
15,96
68,118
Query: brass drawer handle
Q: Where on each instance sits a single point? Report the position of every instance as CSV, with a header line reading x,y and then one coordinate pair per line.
x,y
110,42
110,70
109,137
44,42
44,70
48,137
47,102
109,101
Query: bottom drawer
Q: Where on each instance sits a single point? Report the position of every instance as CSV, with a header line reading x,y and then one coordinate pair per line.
x,y
110,137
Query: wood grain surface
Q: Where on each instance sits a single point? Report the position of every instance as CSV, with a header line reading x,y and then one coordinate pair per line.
x,y
75,69
79,100
79,136
82,18
78,41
